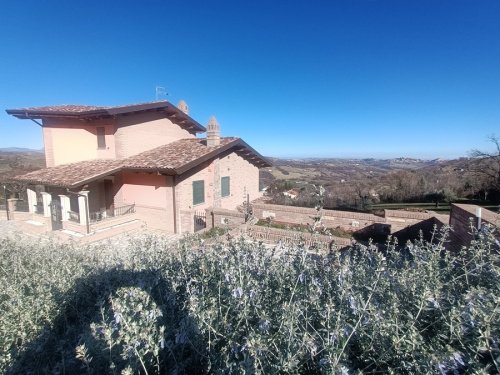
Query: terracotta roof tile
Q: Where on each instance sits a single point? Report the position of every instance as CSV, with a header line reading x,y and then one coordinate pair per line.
x,y
90,112
173,158
176,155
68,175
65,108
78,108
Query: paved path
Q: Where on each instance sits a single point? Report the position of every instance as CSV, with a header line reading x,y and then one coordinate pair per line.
x,y
14,229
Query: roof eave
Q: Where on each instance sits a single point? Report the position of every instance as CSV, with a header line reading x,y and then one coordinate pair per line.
x,y
165,171
171,111
265,163
96,177
237,142
194,163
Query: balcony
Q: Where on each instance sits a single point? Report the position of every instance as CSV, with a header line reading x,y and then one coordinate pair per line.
x,y
39,208
101,215
21,206
74,216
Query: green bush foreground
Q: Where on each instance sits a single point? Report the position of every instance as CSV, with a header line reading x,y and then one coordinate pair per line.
x,y
241,308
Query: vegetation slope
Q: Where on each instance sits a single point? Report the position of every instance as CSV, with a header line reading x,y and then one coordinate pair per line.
x,y
238,307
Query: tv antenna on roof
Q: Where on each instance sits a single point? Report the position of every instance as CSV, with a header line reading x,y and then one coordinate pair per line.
x,y
160,92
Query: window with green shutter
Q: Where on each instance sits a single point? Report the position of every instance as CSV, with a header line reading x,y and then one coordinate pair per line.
x,y
225,189
198,192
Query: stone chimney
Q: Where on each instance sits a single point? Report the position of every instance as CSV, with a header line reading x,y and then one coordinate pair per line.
x,y
213,132
182,105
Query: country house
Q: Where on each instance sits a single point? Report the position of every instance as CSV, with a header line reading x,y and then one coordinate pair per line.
x,y
142,162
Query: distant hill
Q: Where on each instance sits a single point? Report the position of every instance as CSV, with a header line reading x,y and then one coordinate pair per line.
x,y
384,177
19,149
326,170
15,161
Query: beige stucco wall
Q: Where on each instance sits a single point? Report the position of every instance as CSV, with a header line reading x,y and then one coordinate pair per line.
x,y
144,189
244,179
152,195
142,132
69,141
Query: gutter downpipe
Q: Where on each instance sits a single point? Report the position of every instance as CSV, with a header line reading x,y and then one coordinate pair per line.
x,y
32,119
174,205
86,206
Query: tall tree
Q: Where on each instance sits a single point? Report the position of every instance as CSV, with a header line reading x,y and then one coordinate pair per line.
x,y
488,164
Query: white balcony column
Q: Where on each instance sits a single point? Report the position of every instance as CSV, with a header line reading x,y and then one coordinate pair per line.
x,y
47,200
31,200
83,206
65,207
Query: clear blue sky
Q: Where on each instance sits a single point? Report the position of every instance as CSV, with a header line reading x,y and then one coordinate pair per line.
x,y
353,78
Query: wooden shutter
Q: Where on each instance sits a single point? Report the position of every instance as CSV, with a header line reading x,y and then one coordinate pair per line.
x,y
198,192
225,188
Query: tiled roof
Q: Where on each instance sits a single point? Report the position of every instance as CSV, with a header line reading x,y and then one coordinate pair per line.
x,y
90,112
174,158
68,175
65,108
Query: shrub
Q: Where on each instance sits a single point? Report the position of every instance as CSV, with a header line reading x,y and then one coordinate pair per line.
x,y
241,308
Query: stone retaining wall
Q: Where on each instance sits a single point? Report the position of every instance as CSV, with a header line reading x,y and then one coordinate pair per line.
x,y
350,221
399,220
288,237
464,220
218,217
345,220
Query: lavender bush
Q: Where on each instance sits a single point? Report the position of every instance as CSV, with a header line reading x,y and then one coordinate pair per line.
x,y
239,307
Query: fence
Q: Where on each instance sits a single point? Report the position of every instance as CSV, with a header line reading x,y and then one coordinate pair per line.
x,y
39,208
74,216
117,211
200,220
21,206
226,218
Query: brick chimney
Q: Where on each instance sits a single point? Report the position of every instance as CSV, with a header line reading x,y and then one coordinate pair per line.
x,y
213,132
182,105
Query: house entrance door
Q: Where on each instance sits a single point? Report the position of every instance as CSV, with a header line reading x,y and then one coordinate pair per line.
x,y
108,197
56,215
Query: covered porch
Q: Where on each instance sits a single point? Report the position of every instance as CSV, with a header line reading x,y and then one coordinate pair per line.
x,y
80,200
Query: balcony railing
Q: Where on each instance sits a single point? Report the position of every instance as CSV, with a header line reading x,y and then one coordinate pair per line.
x,y
39,208
124,210
74,216
106,214
97,216
21,206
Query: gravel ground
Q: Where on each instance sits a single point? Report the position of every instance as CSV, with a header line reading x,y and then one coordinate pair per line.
x,y
7,228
